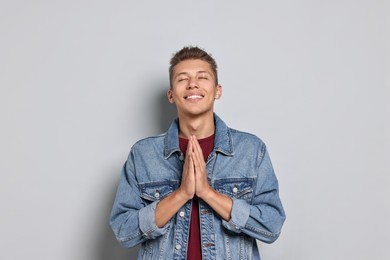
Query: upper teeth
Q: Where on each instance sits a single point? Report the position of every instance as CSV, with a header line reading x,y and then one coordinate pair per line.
x,y
194,96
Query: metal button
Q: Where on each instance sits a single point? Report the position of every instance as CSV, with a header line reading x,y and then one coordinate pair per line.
x,y
181,214
178,247
235,189
157,194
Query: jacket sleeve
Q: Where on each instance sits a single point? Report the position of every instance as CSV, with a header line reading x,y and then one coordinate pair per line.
x,y
263,219
132,221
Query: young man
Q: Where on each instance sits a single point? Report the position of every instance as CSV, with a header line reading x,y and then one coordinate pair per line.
x,y
201,190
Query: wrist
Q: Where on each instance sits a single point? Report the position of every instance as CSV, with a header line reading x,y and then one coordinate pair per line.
x,y
207,194
182,195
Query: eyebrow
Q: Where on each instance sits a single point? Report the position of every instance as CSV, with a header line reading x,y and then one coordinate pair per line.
x,y
198,72
203,71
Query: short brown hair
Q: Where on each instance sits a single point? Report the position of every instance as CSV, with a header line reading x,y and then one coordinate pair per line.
x,y
192,53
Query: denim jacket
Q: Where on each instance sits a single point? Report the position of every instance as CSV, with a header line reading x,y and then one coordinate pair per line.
x,y
239,167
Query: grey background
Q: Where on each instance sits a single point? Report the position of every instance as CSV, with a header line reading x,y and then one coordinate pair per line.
x,y
81,81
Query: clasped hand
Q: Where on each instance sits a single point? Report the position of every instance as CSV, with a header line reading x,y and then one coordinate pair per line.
x,y
194,177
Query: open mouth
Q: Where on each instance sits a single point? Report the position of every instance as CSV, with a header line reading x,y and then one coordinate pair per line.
x,y
194,97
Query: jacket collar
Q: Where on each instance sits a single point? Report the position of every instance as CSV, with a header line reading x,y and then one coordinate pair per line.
x,y
222,143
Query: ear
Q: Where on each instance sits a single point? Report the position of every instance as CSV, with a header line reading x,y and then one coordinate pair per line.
x,y
218,92
170,96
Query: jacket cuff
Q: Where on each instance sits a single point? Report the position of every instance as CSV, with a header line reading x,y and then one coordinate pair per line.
x,y
239,216
147,222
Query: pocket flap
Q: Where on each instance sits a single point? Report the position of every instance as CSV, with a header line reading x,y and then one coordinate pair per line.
x,y
153,191
235,187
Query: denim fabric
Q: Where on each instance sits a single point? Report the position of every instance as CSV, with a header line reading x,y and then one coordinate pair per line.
x,y
239,167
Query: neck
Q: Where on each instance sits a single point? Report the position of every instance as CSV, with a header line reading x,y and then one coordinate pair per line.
x,y
200,126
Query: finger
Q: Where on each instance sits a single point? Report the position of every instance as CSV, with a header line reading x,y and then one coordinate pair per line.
x,y
199,164
188,162
189,146
194,153
188,152
198,150
192,165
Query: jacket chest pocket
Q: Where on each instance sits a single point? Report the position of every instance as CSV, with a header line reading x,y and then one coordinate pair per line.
x,y
238,188
152,191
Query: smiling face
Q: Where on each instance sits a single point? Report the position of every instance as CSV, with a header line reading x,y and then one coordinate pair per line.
x,y
194,88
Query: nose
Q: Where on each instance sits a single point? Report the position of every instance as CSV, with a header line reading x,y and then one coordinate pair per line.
x,y
192,83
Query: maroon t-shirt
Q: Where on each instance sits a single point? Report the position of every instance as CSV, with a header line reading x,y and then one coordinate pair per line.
x,y
194,242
